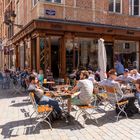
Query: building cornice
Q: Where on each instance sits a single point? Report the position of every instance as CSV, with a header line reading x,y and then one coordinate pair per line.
x,y
71,26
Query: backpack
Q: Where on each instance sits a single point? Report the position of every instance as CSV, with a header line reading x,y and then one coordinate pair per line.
x,y
54,116
130,107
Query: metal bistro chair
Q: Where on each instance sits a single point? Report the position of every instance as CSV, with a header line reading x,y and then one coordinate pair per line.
x,y
16,85
62,100
115,99
42,111
101,96
6,82
87,110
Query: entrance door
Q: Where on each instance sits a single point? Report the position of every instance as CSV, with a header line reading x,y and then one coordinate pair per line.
x,y
55,56
109,52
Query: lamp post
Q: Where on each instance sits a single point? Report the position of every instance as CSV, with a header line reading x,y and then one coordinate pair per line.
x,y
10,19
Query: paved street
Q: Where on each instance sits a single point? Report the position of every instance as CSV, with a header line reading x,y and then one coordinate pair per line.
x,y
15,124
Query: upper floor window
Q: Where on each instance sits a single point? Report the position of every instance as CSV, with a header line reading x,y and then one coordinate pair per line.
x,y
135,7
115,6
56,1
34,2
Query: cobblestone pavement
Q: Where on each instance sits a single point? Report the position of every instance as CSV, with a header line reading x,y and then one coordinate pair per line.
x,y
15,124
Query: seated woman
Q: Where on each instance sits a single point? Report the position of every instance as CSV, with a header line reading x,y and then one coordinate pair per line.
x,y
41,76
85,91
40,98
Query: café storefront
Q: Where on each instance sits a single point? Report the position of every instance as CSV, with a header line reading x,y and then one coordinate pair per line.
x,y
65,45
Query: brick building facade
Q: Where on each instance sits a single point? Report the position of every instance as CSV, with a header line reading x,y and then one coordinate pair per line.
x,y
57,33
1,52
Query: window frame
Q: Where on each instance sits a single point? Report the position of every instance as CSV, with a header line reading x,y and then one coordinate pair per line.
x,y
33,2
53,1
114,7
131,12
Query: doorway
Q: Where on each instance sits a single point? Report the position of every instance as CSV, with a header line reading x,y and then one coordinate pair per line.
x,y
109,52
55,57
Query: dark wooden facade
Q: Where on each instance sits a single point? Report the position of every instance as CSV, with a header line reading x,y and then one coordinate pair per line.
x,y
46,28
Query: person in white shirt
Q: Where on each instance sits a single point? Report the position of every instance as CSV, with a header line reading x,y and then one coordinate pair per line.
x,y
136,75
84,89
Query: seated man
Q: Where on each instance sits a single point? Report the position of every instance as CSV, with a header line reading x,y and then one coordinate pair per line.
x,y
40,98
125,78
85,88
130,108
111,82
136,75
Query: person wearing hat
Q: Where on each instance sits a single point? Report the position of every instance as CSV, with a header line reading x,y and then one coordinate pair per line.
x,y
125,78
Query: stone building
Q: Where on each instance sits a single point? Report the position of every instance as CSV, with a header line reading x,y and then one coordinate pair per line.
x,y
63,34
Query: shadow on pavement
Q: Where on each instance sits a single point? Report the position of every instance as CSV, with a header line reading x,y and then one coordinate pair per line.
x,y
109,117
26,126
10,93
20,104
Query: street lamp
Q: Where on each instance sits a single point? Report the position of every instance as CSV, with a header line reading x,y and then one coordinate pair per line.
x,y
10,19
13,16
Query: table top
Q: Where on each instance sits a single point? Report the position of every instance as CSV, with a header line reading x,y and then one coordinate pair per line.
x,y
62,94
60,86
49,82
58,94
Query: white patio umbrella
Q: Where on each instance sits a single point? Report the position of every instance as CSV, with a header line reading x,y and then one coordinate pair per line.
x,y
102,59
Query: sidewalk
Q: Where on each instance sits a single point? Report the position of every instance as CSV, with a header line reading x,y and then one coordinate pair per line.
x,y
15,124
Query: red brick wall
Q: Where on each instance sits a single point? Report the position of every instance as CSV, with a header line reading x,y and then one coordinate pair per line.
x,y
106,17
69,2
84,4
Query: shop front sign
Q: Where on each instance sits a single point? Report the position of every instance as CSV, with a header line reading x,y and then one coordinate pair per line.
x,y
50,12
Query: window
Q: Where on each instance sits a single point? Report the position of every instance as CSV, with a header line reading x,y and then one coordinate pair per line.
x,y
34,2
135,7
127,53
56,1
115,6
